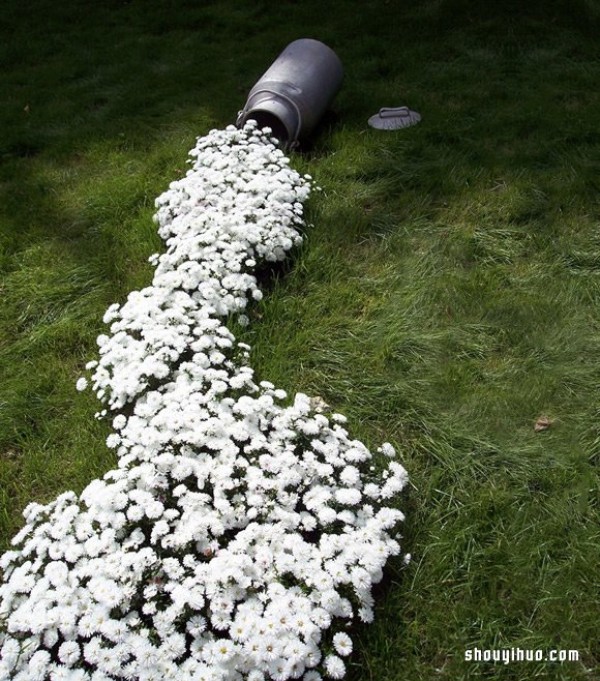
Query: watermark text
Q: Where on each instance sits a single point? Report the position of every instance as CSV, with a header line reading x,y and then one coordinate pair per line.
x,y
510,655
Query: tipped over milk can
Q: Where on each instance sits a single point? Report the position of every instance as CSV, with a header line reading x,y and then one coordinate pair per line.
x,y
295,91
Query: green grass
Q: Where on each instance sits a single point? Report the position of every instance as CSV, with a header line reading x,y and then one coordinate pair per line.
x,y
445,298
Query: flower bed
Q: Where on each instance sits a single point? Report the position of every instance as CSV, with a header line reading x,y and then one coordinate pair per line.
x,y
241,531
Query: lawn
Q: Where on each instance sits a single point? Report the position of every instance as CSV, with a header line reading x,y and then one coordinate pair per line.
x,y
445,298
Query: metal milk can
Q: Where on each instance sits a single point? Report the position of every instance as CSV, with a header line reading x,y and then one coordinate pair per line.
x,y
295,91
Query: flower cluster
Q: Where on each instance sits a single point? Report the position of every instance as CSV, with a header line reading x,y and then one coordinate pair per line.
x,y
241,530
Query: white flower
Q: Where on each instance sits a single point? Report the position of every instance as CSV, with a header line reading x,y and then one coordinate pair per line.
x,y
174,645
57,573
361,579
113,440
10,652
321,618
334,667
93,546
342,644
224,651
326,515
387,449
86,626
81,384
196,625
69,653
312,676
269,648
256,675
348,496
135,513
278,669
372,490
119,422
149,608
350,476
366,614
38,664
220,621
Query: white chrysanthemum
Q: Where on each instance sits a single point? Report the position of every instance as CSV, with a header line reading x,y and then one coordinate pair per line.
x,y
348,497
387,449
175,564
342,644
312,676
335,667
10,652
350,476
69,653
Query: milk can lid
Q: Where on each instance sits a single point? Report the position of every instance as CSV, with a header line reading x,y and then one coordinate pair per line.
x,y
393,118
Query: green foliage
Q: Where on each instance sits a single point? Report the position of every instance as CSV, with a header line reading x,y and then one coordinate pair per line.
x,y
445,299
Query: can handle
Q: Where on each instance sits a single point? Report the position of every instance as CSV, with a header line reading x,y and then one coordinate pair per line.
x,y
389,112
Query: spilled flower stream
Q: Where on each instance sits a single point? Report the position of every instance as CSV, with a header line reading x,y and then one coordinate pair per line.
x,y
242,530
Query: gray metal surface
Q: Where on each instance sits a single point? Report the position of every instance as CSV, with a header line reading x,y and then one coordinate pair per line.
x,y
295,91
393,118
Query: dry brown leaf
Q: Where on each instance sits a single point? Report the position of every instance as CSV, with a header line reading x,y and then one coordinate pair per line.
x,y
543,423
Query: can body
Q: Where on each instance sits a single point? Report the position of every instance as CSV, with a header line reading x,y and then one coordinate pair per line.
x,y
295,91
